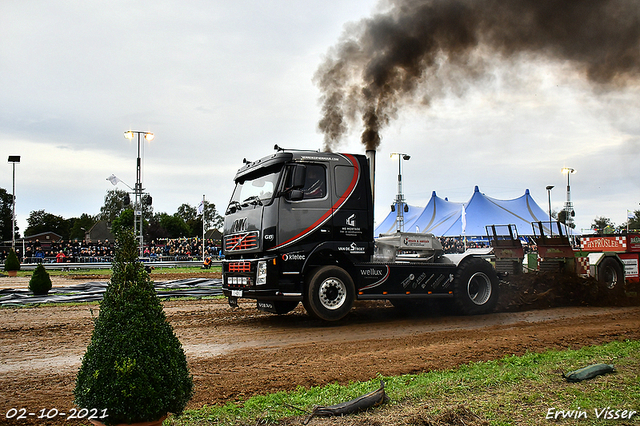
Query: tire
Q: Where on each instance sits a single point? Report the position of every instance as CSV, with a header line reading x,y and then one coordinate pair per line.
x,y
475,287
611,277
330,293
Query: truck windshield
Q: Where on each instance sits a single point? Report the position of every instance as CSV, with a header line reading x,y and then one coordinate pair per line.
x,y
256,189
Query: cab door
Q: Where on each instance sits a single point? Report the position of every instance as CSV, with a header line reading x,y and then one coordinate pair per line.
x,y
305,211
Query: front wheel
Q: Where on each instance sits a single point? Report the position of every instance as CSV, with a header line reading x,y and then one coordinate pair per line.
x,y
475,287
330,293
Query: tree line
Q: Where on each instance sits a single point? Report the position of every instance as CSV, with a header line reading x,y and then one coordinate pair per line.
x,y
185,222
118,212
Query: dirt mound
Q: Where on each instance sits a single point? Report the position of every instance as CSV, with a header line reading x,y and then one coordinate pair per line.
x,y
455,416
540,290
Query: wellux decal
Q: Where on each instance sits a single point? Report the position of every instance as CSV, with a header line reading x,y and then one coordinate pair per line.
x,y
383,273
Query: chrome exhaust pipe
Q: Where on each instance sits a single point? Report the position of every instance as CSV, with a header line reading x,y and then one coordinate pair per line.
x,y
371,157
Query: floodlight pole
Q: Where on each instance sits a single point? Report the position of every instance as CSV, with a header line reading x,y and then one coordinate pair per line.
x,y
568,206
13,159
549,188
138,190
400,202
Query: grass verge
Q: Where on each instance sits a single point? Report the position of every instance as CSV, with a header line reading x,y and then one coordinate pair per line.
x,y
524,390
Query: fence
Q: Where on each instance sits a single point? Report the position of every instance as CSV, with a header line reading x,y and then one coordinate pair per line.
x,y
107,265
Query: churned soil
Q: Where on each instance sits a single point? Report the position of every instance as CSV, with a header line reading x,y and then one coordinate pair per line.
x,y
236,353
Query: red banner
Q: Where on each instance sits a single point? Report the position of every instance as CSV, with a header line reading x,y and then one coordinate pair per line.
x,y
618,243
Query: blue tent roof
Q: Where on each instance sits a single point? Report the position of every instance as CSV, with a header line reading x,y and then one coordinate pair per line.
x,y
438,216
444,218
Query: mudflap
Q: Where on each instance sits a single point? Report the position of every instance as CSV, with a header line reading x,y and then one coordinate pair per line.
x,y
266,306
278,307
233,302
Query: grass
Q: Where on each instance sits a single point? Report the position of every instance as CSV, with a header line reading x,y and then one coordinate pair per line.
x,y
515,390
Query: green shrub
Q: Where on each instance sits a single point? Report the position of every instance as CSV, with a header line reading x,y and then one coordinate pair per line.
x,y
40,282
12,263
134,366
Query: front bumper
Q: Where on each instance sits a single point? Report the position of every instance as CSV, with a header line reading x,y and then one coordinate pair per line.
x,y
258,279
259,294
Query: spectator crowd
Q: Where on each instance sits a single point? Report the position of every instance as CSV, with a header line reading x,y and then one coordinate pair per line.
x,y
179,249
86,251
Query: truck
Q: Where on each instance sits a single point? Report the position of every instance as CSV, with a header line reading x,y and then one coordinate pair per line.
x,y
299,227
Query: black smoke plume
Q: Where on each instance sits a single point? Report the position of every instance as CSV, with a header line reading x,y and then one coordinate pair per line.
x,y
419,50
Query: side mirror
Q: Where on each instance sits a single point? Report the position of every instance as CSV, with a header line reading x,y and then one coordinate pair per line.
x,y
296,195
299,176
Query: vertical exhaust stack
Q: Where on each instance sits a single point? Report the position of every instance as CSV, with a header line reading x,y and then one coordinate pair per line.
x,y
371,156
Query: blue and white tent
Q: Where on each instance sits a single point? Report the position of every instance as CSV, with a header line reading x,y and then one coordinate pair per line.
x,y
445,218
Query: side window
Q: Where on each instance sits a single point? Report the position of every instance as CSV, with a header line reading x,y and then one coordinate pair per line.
x,y
344,175
315,184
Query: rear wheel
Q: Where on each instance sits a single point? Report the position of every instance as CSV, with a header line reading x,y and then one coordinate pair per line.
x,y
330,293
611,277
475,287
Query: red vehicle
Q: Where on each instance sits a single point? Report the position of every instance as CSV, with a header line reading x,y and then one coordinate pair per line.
x,y
610,259
601,248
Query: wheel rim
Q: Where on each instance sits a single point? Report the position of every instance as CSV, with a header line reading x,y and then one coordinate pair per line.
x,y
610,277
332,293
479,288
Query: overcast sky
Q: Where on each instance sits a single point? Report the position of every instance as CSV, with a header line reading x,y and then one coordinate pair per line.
x,y
218,81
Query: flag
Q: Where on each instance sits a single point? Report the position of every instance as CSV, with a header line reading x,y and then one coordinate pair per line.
x,y
630,215
113,179
464,220
201,207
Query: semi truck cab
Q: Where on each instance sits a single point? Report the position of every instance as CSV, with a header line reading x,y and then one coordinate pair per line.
x,y
289,212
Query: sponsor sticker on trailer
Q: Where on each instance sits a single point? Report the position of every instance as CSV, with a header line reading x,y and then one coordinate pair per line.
x,y
604,244
630,265
634,243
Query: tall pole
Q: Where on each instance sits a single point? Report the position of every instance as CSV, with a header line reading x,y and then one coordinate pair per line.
x,y
203,228
13,159
138,190
13,210
400,202
549,188
568,207
137,218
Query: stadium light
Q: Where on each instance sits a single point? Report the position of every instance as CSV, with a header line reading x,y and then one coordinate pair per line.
x,y
13,159
401,206
137,208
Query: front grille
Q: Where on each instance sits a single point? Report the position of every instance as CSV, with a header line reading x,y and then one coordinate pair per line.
x,y
239,266
245,241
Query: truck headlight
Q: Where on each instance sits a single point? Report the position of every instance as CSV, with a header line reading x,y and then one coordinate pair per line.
x,y
261,277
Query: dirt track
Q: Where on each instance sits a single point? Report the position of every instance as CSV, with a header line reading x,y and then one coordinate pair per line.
x,y
234,354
